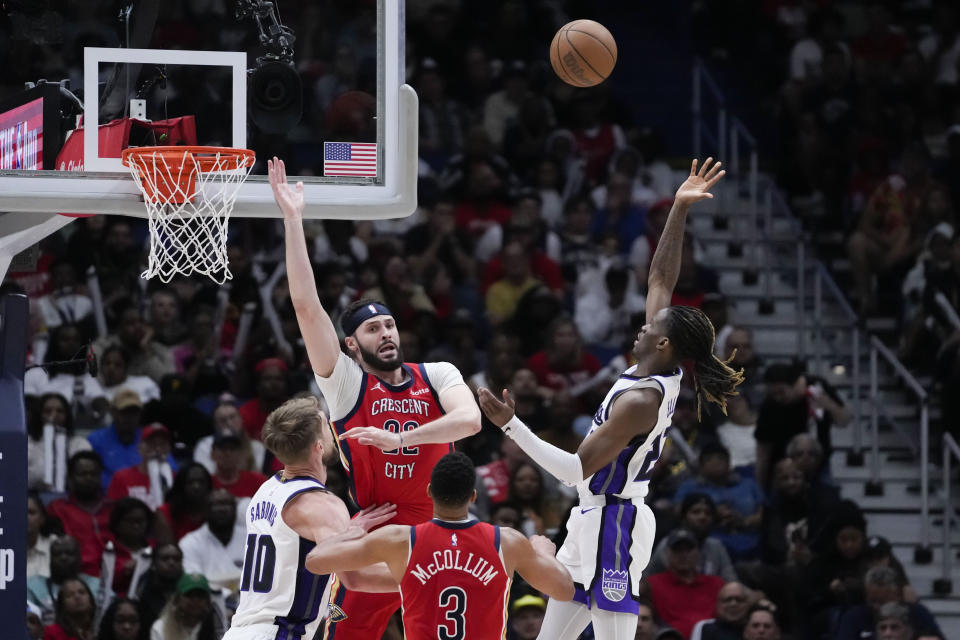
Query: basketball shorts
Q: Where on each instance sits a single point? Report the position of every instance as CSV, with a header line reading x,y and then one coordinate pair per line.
x,y
608,545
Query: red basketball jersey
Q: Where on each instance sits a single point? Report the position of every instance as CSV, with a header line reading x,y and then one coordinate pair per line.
x,y
456,585
399,476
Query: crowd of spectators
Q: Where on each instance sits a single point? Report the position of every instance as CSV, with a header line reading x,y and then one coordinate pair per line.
x,y
866,97
525,266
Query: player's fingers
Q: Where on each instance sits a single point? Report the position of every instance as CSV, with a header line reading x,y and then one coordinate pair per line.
x,y
300,187
715,179
693,167
706,165
713,170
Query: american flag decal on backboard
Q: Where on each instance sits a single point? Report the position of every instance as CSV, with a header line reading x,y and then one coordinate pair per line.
x,y
349,159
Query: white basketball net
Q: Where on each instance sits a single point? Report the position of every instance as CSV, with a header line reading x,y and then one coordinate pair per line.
x,y
188,231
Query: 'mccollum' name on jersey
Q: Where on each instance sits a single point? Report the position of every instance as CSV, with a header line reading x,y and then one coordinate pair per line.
x,y
404,405
446,560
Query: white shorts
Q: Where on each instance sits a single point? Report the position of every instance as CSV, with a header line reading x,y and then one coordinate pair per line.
x,y
608,545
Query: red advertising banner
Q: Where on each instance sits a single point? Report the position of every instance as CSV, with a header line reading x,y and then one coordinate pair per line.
x,y
21,136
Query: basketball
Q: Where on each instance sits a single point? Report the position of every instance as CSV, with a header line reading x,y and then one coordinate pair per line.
x,y
583,53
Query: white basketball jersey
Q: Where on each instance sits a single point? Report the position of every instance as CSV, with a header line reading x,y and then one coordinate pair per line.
x,y
628,476
275,587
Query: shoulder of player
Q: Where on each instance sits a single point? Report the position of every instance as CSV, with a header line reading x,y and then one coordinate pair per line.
x,y
310,502
639,399
513,542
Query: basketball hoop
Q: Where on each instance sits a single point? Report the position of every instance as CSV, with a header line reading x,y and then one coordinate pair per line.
x,y
189,193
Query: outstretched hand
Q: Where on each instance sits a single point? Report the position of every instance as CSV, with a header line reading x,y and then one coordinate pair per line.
x,y
499,413
697,186
374,437
372,517
290,198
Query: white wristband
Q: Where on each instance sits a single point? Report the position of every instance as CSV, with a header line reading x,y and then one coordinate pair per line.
x,y
563,465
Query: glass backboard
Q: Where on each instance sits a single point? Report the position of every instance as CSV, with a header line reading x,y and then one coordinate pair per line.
x,y
315,82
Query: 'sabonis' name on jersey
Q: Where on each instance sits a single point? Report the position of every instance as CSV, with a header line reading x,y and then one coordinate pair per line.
x,y
450,560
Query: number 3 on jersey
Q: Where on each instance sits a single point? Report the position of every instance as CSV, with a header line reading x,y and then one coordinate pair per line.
x,y
394,427
453,600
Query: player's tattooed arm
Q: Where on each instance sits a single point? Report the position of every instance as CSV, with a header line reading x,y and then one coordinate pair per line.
x,y
316,327
665,264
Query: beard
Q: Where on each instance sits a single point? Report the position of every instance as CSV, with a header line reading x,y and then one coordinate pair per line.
x,y
381,364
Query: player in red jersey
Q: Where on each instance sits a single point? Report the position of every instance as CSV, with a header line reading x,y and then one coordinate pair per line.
x,y
394,419
454,573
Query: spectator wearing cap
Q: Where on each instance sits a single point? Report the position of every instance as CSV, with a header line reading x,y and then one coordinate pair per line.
x,y
85,511
228,458
186,505
526,616
155,465
739,501
117,444
795,403
226,417
147,357
882,587
216,549
271,392
190,613
761,624
698,513
682,595
733,605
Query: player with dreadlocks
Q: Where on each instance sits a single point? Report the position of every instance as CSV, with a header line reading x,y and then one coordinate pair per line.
x,y
610,533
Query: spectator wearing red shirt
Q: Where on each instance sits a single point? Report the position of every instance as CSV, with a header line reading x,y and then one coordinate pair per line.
x,y
681,594
483,206
130,524
135,481
564,365
227,454
527,231
85,512
271,392
185,509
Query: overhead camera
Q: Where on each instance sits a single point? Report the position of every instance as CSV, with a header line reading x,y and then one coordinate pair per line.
x,y
275,90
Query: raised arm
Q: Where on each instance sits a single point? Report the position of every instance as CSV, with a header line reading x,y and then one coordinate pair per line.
x,y
319,334
665,264
535,560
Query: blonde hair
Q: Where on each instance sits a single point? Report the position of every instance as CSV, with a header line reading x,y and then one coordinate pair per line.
x,y
293,428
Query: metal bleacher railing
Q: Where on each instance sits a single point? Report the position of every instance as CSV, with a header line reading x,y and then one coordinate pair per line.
x,y
769,254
